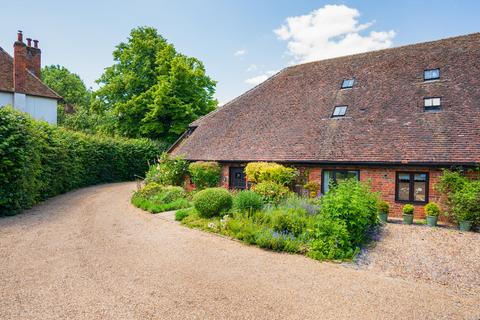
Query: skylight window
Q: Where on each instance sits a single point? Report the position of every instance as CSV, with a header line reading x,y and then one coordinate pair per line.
x,y
347,83
339,111
432,103
431,74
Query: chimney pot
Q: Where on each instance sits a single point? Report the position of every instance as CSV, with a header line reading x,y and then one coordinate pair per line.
x,y
29,42
35,43
20,36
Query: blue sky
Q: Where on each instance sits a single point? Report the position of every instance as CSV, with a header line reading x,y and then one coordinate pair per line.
x,y
240,42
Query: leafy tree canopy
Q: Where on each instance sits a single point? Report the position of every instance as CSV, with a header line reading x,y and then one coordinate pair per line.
x,y
152,90
67,84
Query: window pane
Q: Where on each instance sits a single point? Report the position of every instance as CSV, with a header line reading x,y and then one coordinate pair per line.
x,y
404,191
436,102
419,191
344,175
420,177
347,83
427,102
327,177
339,111
431,74
404,177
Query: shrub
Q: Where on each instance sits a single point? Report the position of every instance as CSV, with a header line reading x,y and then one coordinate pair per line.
x,y
331,240
432,209
271,192
258,172
311,206
168,170
38,160
205,174
277,241
383,207
408,209
353,203
290,221
313,188
150,190
466,202
169,194
156,207
247,201
183,213
212,202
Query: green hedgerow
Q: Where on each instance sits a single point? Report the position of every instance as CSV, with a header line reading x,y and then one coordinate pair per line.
x,y
432,209
408,209
38,160
205,174
212,202
247,201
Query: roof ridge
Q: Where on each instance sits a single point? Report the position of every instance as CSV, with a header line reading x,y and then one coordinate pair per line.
x,y
411,45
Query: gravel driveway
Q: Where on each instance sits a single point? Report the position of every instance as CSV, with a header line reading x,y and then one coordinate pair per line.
x,y
89,254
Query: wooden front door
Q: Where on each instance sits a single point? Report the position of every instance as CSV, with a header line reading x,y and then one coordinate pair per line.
x,y
236,178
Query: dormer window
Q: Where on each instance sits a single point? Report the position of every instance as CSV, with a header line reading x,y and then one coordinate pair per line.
x,y
339,111
431,74
432,104
347,83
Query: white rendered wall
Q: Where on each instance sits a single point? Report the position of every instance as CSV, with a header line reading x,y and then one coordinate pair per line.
x,y
6,98
42,108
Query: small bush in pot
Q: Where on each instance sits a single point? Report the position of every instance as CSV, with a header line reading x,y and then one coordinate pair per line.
x,y
383,209
432,211
212,202
408,214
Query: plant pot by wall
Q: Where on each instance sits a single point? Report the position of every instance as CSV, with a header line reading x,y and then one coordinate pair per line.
x,y
407,218
383,217
432,221
465,225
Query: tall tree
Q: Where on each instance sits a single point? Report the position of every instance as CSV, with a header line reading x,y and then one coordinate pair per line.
x,y
152,90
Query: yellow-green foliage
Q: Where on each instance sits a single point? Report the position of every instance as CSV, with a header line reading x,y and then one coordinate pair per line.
x,y
312,187
258,172
205,174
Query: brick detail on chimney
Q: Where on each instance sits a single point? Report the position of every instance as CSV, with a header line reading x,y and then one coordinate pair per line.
x,y
19,64
34,63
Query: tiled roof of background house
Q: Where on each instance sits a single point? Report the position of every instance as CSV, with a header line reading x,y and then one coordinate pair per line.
x,y
33,85
288,117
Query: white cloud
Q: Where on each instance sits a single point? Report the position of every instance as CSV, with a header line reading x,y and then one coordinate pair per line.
x,y
331,31
260,78
240,53
251,68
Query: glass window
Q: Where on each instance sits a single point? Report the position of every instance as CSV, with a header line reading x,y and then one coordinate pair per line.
x,y
339,111
412,187
431,74
336,176
434,103
348,83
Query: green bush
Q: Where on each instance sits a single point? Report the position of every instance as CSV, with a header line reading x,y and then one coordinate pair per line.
x,y
313,187
331,240
150,190
212,202
408,209
432,210
205,174
156,198
38,160
291,221
353,203
271,192
156,207
169,194
168,171
383,207
183,213
258,172
247,201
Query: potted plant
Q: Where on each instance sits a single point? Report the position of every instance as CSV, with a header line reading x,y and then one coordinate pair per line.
x,y
407,214
432,211
383,209
465,220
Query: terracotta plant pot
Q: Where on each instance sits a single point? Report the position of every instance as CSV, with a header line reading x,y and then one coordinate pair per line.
x,y
383,217
407,218
465,225
432,221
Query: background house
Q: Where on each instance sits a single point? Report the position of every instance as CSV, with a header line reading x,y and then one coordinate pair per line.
x,y
393,117
20,84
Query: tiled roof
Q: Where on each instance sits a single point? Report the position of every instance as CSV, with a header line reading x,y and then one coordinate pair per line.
x,y
33,85
288,117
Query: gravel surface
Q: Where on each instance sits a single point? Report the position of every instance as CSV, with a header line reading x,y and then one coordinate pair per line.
x,y
442,255
89,254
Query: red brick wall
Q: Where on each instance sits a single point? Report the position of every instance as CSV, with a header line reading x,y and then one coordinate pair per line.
x,y
383,181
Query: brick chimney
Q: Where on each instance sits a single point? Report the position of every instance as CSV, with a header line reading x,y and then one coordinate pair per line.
x,y
19,63
34,58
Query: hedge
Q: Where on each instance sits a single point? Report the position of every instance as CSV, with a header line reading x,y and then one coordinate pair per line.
x,y
38,160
